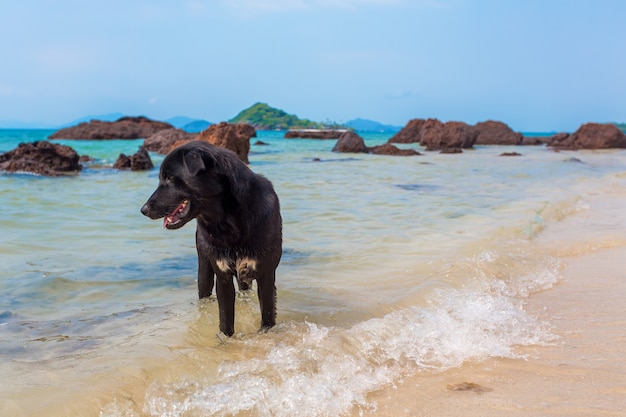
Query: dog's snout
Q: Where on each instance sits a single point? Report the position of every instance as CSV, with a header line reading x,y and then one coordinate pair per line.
x,y
145,209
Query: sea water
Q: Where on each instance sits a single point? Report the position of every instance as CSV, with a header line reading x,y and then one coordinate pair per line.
x,y
392,267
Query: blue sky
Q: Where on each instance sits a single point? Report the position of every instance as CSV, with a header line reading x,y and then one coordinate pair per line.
x,y
536,65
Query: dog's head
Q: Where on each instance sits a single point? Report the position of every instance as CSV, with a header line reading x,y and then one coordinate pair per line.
x,y
188,184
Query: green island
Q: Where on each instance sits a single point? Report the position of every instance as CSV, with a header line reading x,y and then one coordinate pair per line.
x,y
621,126
264,117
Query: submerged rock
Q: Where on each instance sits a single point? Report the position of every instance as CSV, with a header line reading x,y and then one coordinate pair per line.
x,y
451,150
43,158
389,149
536,140
314,134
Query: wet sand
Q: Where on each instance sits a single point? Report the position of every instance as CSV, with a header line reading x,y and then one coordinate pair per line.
x,y
582,374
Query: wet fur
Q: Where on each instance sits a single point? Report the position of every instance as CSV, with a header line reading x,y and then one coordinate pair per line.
x,y
239,227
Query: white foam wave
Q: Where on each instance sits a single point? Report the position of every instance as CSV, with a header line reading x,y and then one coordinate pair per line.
x,y
314,370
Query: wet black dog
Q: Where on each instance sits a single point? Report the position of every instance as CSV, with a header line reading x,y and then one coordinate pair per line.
x,y
239,227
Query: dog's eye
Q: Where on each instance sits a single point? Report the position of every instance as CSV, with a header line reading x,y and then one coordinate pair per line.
x,y
168,180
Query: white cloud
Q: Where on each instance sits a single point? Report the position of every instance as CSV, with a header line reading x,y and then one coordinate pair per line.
x,y
66,59
248,7
399,95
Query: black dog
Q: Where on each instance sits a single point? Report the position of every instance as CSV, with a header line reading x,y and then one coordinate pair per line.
x,y
239,227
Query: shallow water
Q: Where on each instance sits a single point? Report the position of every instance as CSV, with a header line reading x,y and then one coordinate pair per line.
x,y
392,266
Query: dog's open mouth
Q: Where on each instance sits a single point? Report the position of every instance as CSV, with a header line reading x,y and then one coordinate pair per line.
x,y
175,219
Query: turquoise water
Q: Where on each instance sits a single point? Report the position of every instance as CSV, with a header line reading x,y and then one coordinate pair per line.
x,y
393,266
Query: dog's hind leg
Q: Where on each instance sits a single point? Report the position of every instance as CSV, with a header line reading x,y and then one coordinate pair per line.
x,y
225,289
206,274
266,289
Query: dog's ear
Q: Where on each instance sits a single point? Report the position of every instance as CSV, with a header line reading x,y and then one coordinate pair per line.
x,y
194,163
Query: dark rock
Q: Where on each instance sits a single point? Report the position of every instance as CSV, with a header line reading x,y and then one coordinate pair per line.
x,y
314,134
389,149
592,136
451,150
42,158
163,140
496,133
559,137
123,162
260,143
235,137
411,133
436,135
536,140
124,128
350,142
510,154
140,161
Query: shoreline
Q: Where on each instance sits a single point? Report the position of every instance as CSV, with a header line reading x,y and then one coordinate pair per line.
x,y
581,373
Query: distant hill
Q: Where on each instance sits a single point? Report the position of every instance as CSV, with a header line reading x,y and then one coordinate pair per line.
x,y
188,124
621,126
18,124
196,126
109,117
365,125
264,117
180,121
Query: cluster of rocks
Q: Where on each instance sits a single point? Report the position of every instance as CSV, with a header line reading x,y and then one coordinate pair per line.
x,y
451,136
46,158
235,137
140,161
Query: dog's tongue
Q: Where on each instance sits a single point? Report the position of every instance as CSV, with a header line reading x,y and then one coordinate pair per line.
x,y
173,218
167,220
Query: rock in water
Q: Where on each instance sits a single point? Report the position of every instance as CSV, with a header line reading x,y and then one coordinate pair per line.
x,y
235,137
163,140
43,158
496,133
140,161
411,133
591,136
124,128
350,142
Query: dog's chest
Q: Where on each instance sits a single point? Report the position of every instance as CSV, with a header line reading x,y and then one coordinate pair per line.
x,y
240,266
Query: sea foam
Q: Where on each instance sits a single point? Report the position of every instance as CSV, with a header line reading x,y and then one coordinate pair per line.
x,y
308,369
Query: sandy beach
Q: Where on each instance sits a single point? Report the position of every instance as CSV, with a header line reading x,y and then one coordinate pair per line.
x,y
582,374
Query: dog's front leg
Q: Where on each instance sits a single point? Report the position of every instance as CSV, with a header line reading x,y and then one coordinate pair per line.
x,y
266,289
205,270
225,289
